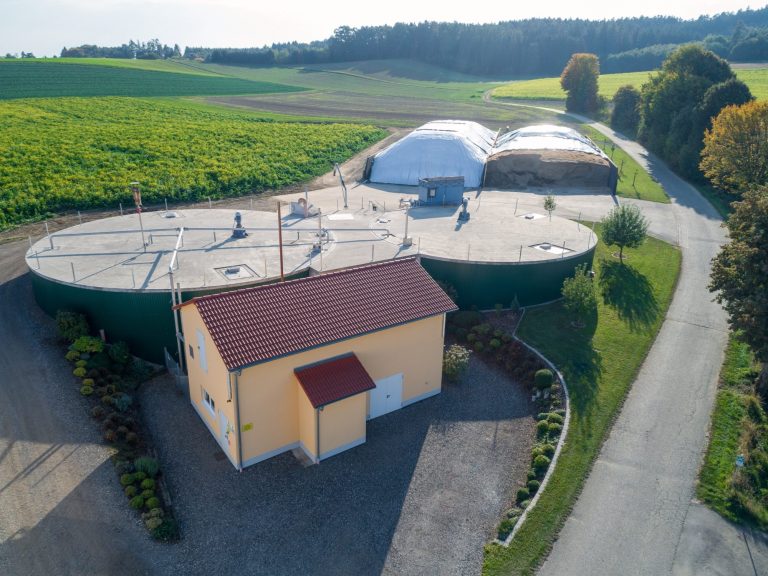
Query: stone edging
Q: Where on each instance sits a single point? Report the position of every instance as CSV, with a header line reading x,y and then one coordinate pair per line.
x,y
506,542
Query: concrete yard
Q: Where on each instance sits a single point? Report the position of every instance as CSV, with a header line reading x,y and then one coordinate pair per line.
x,y
108,253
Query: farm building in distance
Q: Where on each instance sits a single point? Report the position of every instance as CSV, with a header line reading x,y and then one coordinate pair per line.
x,y
303,364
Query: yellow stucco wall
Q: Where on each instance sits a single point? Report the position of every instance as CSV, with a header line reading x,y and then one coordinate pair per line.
x,y
269,392
342,424
214,380
307,425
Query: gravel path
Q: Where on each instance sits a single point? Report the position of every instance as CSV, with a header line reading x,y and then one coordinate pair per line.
x,y
61,508
421,496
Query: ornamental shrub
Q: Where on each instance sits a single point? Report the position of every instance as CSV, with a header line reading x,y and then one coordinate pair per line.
x,y
556,418
506,526
72,355
88,382
540,464
495,343
533,486
130,491
560,412
531,475
479,346
79,372
548,450
140,475
153,502
109,436
471,337
132,438
81,363
86,390
153,522
71,325
523,494
455,362
147,494
127,479
542,427
148,484
106,399
98,412
542,416
119,353
167,531
543,378
122,401
88,344
147,465
137,503
555,428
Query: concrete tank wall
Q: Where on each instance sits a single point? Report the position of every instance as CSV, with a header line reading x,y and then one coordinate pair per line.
x,y
484,285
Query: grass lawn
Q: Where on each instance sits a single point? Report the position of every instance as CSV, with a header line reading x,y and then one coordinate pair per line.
x,y
735,430
642,186
599,362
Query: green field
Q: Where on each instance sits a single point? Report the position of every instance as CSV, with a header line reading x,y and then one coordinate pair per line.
x,y
549,88
69,153
599,363
45,79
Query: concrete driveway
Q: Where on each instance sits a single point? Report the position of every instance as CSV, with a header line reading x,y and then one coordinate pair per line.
x,y
635,515
421,496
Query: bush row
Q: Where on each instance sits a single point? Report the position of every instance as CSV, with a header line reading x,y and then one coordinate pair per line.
x,y
107,374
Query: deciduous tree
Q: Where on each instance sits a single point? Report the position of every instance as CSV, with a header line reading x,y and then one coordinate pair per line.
x,y
735,155
740,274
625,227
626,109
579,80
579,294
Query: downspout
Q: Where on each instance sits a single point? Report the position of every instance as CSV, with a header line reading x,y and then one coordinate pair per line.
x,y
237,373
317,435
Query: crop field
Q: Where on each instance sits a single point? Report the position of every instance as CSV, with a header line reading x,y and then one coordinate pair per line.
x,y
68,153
549,88
33,79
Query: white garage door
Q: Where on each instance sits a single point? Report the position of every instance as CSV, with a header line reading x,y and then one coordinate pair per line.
x,y
387,396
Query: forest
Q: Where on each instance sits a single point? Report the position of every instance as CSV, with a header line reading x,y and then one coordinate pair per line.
x,y
520,48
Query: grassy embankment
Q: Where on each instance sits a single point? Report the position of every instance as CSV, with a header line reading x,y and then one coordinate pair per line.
x,y
599,362
549,88
739,427
634,181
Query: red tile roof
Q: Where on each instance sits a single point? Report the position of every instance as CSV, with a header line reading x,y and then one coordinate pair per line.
x,y
334,380
265,322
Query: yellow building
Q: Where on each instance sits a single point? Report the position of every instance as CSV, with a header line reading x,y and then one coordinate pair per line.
x,y
303,364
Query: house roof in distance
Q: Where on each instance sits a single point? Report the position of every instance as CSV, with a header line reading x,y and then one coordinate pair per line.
x,y
265,322
333,380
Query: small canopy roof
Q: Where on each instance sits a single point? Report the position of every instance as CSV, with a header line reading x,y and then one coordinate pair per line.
x,y
333,380
440,148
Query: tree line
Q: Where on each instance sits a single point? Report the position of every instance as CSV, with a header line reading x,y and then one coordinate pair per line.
x,y
537,46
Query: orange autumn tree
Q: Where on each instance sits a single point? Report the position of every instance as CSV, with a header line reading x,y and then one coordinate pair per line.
x,y
735,154
579,80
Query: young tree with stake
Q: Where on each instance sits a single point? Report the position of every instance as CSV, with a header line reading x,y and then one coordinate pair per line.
x,y
625,227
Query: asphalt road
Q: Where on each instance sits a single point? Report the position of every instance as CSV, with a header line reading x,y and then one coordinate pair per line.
x,y
636,514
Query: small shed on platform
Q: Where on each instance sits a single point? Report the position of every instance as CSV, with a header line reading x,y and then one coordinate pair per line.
x,y
441,191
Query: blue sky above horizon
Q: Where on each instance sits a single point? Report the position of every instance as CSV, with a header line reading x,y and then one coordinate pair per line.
x,y
45,26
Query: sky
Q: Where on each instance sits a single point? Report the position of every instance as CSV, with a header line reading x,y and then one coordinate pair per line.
x,y
43,27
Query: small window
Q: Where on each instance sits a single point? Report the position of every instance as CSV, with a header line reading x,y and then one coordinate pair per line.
x,y
191,351
431,192
209,402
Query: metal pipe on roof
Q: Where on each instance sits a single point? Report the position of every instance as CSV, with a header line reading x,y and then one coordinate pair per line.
x,y
280,240
237,421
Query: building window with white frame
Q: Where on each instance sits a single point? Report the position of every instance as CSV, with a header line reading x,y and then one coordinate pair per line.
x,y
209,402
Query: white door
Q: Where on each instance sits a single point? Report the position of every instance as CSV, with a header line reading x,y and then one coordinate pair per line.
x,y
387,396
201,351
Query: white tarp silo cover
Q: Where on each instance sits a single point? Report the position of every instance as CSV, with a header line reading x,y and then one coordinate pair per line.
x,y
440,148
546,137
